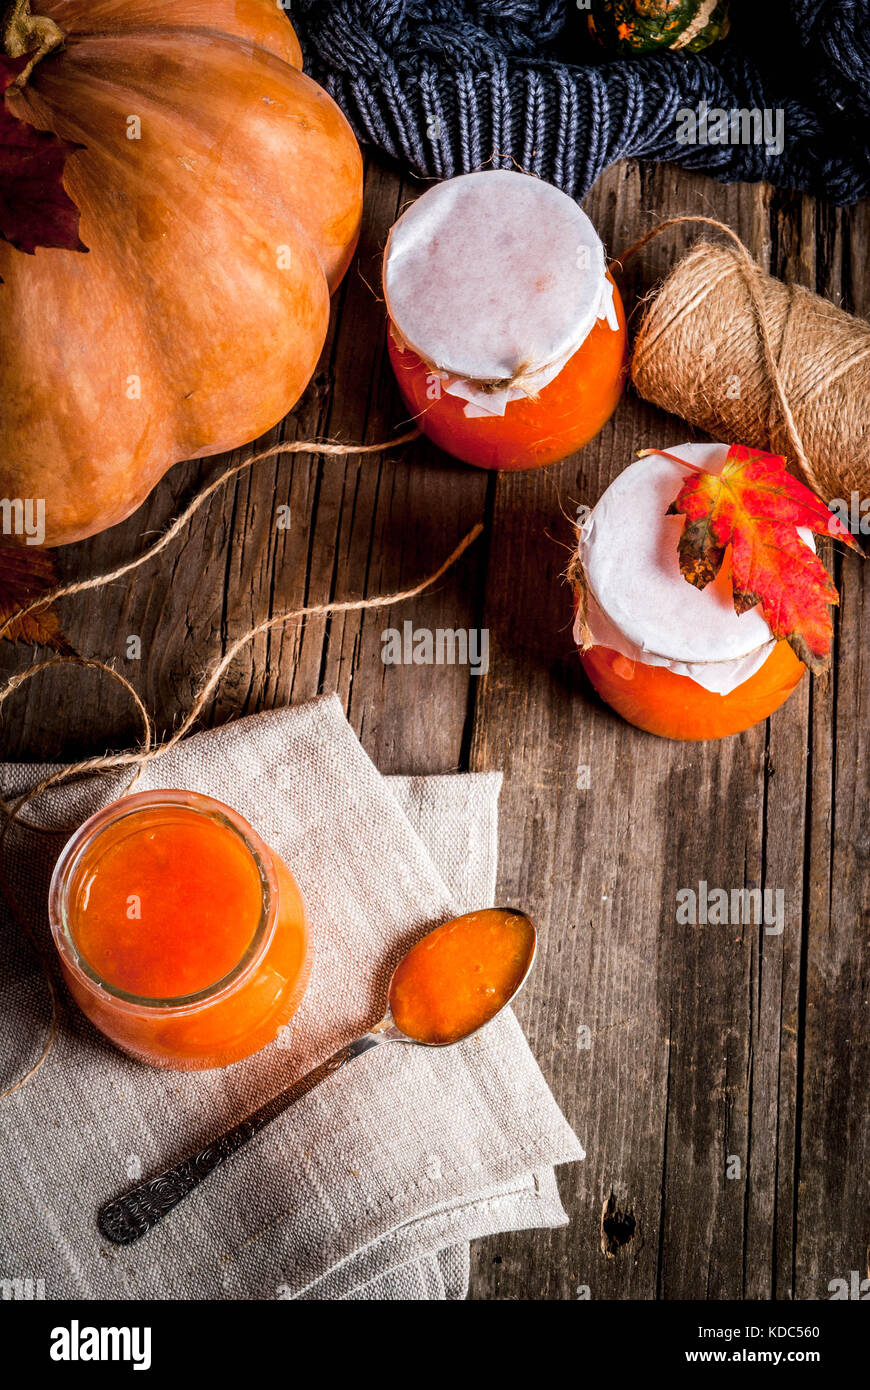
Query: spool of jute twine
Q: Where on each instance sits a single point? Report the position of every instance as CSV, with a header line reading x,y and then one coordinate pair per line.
x,y
137,759
754,361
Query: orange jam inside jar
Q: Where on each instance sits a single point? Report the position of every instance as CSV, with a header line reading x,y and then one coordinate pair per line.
x,y
672,659
507,334
181,935
460,975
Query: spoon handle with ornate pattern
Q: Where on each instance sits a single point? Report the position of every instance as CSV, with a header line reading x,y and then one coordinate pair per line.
x,y
129,1217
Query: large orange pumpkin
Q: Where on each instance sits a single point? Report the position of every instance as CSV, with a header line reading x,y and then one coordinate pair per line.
x,y
220,193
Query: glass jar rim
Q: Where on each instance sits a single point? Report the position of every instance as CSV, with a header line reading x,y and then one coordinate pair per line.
x,y
86,837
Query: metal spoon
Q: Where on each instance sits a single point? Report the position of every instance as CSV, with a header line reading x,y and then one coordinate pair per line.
x,y
129,1217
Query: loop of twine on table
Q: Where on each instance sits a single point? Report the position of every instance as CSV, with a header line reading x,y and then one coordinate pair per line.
x,y
139,758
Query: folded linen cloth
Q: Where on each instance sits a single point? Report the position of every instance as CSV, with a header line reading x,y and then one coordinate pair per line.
x,y
373,1184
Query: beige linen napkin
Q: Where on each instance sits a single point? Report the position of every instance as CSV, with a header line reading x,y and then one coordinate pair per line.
x,y
375,1182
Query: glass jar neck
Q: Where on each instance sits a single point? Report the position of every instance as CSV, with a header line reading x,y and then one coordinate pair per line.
x,y
84,845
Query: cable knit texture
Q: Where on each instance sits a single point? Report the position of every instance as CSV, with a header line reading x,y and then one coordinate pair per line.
x,y
447,86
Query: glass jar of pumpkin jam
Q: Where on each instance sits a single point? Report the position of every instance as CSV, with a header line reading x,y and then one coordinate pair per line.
x,y
507,333
674,660
181,935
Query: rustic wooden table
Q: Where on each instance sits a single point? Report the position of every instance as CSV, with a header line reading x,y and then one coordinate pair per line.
x,y
723,1098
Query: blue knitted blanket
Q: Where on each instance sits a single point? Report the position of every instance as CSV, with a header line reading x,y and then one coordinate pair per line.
x,y
447,86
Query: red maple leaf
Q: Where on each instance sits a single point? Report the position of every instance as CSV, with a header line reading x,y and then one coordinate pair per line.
x,y
755,506
35,208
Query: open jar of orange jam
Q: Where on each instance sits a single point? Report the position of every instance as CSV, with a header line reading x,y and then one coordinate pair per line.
x,y
507,334
181,935
672,659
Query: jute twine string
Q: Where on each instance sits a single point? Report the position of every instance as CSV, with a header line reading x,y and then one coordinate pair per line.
x,y
748,358
137,759
297,446
526,378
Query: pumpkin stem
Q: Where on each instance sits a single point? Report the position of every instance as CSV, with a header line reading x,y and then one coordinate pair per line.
x,y
23,34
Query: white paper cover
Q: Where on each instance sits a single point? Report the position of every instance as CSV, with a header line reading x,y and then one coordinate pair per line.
x,y
640,605
494,275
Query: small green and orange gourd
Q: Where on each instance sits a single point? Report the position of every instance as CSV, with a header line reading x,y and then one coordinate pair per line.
x,y
634,27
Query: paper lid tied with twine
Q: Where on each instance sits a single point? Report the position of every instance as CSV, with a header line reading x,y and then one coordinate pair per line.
x,y
495,279
637,601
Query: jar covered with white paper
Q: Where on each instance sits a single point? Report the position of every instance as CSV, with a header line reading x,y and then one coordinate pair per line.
x,y
507,334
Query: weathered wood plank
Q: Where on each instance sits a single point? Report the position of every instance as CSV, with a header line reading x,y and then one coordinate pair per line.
x,y
831,1210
